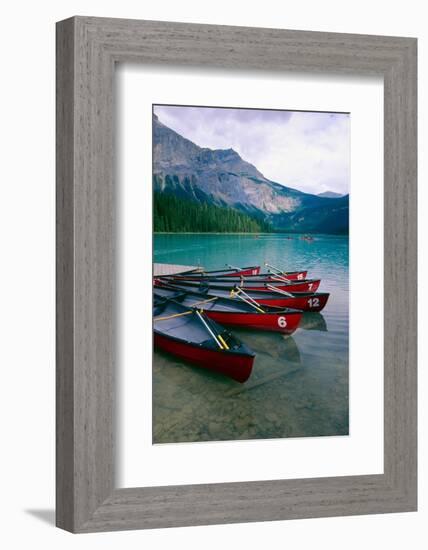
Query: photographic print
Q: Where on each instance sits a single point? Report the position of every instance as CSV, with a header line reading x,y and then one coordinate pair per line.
x,y
250,273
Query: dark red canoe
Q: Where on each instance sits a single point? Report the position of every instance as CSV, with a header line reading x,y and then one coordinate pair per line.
x,y
231,272
193,337
239,313
307,285
305,301
234,272
196,275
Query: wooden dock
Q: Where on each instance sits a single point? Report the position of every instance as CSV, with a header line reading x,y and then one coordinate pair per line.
x,y
170,269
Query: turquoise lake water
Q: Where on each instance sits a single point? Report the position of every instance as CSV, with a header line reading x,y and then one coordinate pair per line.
x,y
299,383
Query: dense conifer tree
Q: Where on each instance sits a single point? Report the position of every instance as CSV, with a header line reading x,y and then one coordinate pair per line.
x,y
174,214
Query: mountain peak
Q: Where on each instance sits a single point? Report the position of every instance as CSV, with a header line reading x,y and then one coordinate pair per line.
x,y
228,153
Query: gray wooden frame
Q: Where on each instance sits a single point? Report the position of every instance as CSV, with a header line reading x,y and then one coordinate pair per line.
x,y
87,50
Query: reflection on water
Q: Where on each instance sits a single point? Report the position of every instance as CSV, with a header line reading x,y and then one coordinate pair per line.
x,y
313,321
299,383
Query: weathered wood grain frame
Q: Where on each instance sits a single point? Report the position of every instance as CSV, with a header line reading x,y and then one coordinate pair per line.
x,y
87,50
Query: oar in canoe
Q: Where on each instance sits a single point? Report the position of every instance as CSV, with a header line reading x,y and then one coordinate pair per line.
x,y
191,336
243,312
305,301
283,273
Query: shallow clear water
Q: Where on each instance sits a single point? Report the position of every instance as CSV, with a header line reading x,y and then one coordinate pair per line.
x,y
299,383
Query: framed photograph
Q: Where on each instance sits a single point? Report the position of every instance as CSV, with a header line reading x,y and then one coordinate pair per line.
x,y
236,274
214,214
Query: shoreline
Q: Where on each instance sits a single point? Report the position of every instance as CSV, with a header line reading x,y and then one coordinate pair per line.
x,y
249,234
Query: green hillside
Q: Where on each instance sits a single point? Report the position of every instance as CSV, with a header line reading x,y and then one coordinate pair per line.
x,y
174,214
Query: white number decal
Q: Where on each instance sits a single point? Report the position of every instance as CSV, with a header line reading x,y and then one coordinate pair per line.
x,y
314,302
254,272
300,276
282,322
310,285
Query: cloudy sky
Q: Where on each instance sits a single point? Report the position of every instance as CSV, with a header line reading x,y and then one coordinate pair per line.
x,y
309,151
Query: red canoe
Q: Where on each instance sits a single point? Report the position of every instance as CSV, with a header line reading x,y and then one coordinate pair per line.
x,y
228,283
235,272
238,313
191,336
196,275
305,301
231,272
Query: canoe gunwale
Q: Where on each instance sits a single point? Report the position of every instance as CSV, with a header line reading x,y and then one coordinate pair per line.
x,y
202,345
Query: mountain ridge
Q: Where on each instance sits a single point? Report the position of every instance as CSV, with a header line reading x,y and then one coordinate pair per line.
x,y
330,195
222,178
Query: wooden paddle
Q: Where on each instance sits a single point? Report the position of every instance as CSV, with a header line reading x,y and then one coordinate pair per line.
x,y
219,341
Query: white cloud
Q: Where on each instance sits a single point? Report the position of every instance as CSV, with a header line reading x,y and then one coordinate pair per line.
x,y
304,150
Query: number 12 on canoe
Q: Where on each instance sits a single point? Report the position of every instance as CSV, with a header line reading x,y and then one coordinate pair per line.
x,y
314,302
